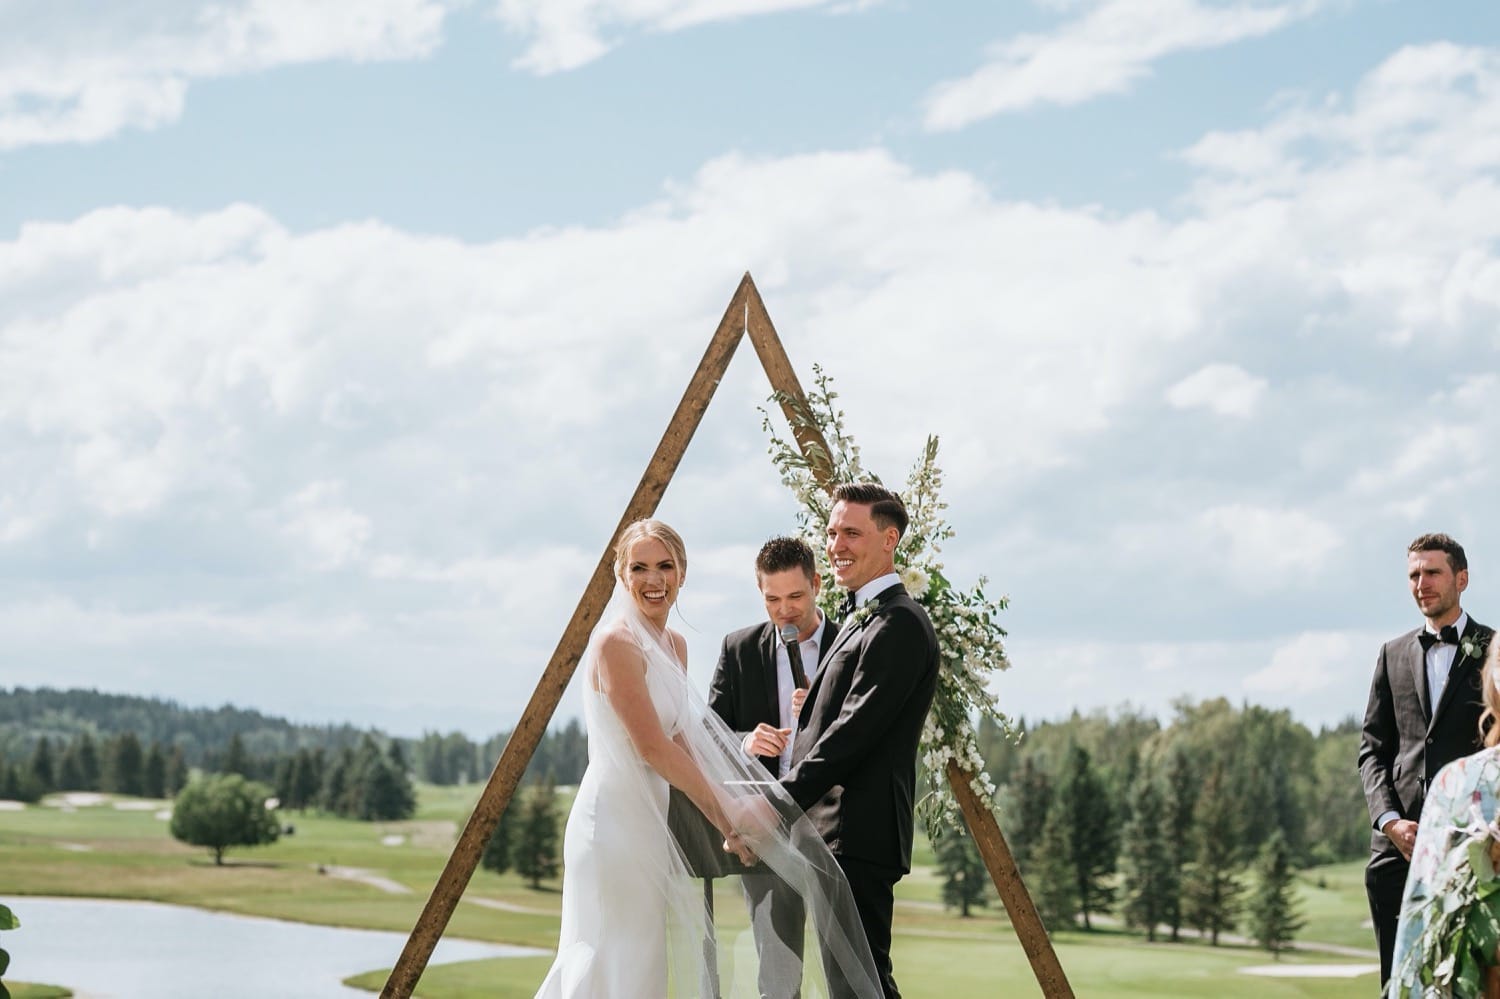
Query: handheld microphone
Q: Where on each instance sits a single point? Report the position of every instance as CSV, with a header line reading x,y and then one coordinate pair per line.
x,y
794,654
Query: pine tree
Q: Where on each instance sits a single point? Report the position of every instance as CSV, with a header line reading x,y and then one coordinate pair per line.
x,y
154,773
236,760
1056,880
1033,793
1150,878
497,852
965,880
123,765
176,776
535,855
1092,846
1181,802
42,766
1274,917
69,774
89,767
1211,892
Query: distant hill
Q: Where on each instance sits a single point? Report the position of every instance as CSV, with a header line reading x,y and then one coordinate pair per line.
x,y
27,715
204,734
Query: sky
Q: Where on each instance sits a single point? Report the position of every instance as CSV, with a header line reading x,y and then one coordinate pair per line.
x,y
335,336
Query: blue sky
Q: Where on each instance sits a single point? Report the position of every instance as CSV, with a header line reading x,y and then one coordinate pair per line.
x,y
333,337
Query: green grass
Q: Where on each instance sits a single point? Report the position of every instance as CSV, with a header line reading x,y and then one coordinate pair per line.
x,y
30,990
129,854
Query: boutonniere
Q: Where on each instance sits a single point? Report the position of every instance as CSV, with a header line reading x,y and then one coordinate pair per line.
x,y
1473,646
860,614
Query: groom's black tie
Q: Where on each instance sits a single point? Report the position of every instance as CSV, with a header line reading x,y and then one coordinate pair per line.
x,y
847,607
1448,636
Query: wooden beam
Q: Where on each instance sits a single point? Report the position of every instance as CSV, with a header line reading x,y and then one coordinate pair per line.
x,y
788,389
549,689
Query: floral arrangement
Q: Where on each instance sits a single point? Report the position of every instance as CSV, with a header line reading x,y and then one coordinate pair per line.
x,y
970,639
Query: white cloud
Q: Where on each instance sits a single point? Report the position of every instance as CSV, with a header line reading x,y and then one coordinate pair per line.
x,y
1264,547
1226,389
79,72
566,34
1103,52
1310,663
409,433
326,533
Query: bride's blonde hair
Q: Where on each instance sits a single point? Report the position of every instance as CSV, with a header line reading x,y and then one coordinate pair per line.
x,y
1489,678
641,529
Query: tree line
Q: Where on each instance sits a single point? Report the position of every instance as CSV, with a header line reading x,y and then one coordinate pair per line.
x,y
1197,823
203,736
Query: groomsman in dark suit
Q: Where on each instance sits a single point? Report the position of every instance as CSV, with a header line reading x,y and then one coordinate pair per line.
x,y
1424,708
854,757
758,688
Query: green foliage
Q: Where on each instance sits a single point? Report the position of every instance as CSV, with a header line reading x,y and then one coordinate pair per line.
x,y
1056,879
1272,909
124,766
220,811
1181,803
8,921
535,856
501,844
966,882
1211,891
1150,884
1088,818
1033,801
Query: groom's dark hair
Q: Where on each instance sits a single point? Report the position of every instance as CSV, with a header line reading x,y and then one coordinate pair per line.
x,y
781,554
1457,560
885,506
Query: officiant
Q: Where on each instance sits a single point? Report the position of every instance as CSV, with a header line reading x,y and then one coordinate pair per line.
x,y
758,688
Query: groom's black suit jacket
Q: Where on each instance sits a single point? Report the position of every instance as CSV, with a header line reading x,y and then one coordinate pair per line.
x,y
1407,739
743,691
855,757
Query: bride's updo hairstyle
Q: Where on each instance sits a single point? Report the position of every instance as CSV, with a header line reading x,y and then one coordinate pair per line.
x,y
1490,680
650,529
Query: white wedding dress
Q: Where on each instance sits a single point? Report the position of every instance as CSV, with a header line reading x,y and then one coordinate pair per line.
x,y
633,918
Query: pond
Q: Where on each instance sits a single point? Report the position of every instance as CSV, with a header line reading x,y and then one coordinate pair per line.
x,y
108,949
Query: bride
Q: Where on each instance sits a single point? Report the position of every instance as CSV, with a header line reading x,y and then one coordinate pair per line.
x,y
633,921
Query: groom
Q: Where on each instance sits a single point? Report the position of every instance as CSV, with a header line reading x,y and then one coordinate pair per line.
x,y
854,757
1423,713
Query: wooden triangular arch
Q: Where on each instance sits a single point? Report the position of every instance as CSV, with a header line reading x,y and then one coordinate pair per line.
x,y
745,316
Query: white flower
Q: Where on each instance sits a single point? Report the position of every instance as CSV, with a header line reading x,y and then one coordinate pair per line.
x,y
915,580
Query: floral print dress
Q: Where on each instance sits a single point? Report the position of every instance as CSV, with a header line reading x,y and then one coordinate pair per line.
x,y
1450,858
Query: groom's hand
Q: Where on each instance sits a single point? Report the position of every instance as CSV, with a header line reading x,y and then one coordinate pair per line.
x,y
766,741
735,844
1402,832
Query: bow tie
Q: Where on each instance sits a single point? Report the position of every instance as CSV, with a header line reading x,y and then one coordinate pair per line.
x,y
1448,636
847,607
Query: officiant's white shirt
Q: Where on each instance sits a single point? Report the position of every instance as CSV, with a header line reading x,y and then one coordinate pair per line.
x,y
811,647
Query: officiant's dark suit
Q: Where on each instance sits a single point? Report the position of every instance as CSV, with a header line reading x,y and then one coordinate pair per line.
x,y
1407,738
744,690
854,758
753,691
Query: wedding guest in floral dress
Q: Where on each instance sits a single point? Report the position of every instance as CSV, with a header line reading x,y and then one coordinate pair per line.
x,y
1446,937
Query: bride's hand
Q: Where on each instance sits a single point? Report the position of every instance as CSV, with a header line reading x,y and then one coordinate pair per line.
x,y
735,844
